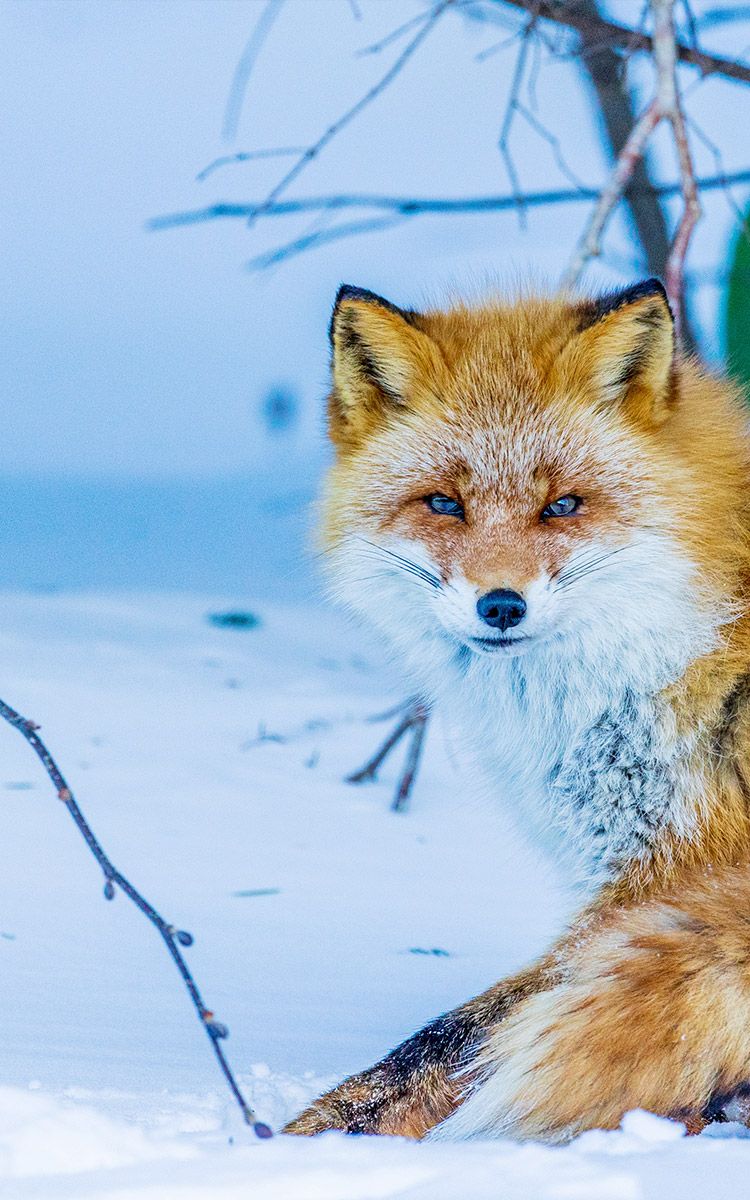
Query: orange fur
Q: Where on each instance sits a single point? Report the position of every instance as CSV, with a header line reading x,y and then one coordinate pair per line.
x,y
646,1001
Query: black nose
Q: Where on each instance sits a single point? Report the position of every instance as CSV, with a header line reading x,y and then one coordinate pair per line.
x,y
501,609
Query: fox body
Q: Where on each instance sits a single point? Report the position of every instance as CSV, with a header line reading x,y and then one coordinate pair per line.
x,y
545,508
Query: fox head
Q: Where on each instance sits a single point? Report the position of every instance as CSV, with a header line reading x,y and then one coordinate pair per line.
x,y
547,472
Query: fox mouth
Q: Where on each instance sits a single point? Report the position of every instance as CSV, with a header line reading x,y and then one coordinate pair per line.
x,y
494,644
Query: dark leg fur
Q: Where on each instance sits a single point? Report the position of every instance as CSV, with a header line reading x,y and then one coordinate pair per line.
x,y
413,1088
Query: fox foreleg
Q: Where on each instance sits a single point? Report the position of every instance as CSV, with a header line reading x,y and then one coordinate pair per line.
x,y
420,1083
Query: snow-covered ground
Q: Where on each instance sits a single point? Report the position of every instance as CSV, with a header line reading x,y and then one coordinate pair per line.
x,y
210,762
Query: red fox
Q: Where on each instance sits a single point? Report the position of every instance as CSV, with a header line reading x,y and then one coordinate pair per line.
x,y
545,507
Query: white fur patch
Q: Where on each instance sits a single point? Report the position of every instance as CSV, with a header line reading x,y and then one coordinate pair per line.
x,y
571,732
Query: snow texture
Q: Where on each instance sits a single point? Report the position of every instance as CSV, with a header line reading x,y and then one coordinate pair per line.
x,y
210,761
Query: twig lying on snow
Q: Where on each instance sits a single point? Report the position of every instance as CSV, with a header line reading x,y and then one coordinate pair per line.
x,y
414,721
173,937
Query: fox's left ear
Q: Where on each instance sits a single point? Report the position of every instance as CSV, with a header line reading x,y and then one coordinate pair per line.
x,y
627,340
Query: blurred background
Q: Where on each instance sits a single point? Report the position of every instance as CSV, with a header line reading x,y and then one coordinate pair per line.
x,y
163,380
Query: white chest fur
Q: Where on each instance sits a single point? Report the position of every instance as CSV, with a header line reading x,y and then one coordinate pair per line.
x,y
593,770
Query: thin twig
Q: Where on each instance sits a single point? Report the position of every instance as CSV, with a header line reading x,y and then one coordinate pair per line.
x,y
369,772
415,206
719,166
666,106
245,66
402,208
552,141
225,160
394,35
606,69
173,938
631,153
364,101
414,722
413,758
671,110
503,143
723,16
320,237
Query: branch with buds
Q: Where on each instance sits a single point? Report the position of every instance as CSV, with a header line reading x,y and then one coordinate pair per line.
x,y
173,937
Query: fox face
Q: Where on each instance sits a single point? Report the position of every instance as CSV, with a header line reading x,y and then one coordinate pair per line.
x,y
507,479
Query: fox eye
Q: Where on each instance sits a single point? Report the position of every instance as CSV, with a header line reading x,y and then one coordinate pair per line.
x,y
562,507
445,505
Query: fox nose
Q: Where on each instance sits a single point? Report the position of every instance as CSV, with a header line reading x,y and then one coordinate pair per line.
x,y
501,609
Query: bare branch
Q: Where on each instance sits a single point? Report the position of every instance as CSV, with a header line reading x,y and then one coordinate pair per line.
x,y
496,47
510,112
719,166
692,25
590,243
244,68
226,160
173,938
414,718
369,772
320,237
421,716
399,32
723,16
552,141
327,136
606,70
414,206
665,106
562,12
668,98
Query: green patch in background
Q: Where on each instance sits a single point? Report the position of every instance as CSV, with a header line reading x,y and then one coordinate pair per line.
x,y
738,308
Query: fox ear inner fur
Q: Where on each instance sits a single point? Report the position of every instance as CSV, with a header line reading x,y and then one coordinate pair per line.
x,y
379,356
629,340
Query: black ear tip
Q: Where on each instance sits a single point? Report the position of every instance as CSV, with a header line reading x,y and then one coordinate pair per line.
x,y
592,311
654,287
364,296
651,287
641,291
347,291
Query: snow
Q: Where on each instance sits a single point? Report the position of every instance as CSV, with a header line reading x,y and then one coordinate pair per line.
x,y
210,761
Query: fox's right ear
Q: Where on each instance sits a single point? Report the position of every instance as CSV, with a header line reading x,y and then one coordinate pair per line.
x,y
380,358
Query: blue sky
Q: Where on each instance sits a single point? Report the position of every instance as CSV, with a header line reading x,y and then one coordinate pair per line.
x,y
131,353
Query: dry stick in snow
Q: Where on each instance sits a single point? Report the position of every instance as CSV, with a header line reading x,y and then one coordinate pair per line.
x,y
418,728
414,721
665,106
173,937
